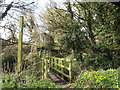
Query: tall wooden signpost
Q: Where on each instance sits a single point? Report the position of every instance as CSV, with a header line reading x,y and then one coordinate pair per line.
x,y
19,61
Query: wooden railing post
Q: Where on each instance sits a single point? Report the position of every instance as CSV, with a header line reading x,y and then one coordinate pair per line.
x,y
48,64
45,68
70,69
62,68
55,61
51,63
42,68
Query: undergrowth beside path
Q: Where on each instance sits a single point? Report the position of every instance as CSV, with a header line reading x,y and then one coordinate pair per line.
x,y
9,81
98,79
86,79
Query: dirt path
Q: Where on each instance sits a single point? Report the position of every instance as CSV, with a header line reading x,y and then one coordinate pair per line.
x,y
58,80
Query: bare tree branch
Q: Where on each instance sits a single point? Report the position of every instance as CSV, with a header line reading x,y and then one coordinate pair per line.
x,y
6,11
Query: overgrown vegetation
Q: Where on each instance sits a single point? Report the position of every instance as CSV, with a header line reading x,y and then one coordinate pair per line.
x,y
11,81
97,79
87,30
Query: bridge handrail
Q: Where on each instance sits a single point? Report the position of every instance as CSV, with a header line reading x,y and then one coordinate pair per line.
x,y
55,62
62,59
61,72
62,66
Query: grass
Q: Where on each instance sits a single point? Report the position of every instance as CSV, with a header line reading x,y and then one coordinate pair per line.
x,y
10,81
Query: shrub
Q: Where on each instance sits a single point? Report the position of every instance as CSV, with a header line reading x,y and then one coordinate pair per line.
x,y
97,79
101,56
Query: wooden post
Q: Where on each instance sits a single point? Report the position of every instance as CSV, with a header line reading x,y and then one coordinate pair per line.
x,y
70,69
0,59
52,63
45,67
20,45
62,69
48,64
55,61
42,68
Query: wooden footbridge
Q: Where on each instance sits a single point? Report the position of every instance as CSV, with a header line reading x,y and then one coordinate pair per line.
x,y
60,66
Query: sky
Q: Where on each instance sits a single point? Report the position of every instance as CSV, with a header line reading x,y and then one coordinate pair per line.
x,y
41,8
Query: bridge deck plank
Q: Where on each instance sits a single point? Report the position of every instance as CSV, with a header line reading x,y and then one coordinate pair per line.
x,y
58,80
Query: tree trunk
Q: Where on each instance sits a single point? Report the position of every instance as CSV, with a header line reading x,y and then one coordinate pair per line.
x,y
89,24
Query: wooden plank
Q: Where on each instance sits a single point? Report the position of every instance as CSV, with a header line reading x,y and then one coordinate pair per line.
x,y
61,72
62,66
62,59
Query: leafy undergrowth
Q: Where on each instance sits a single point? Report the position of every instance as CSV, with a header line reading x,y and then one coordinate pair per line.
x,y
10,81
97,79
